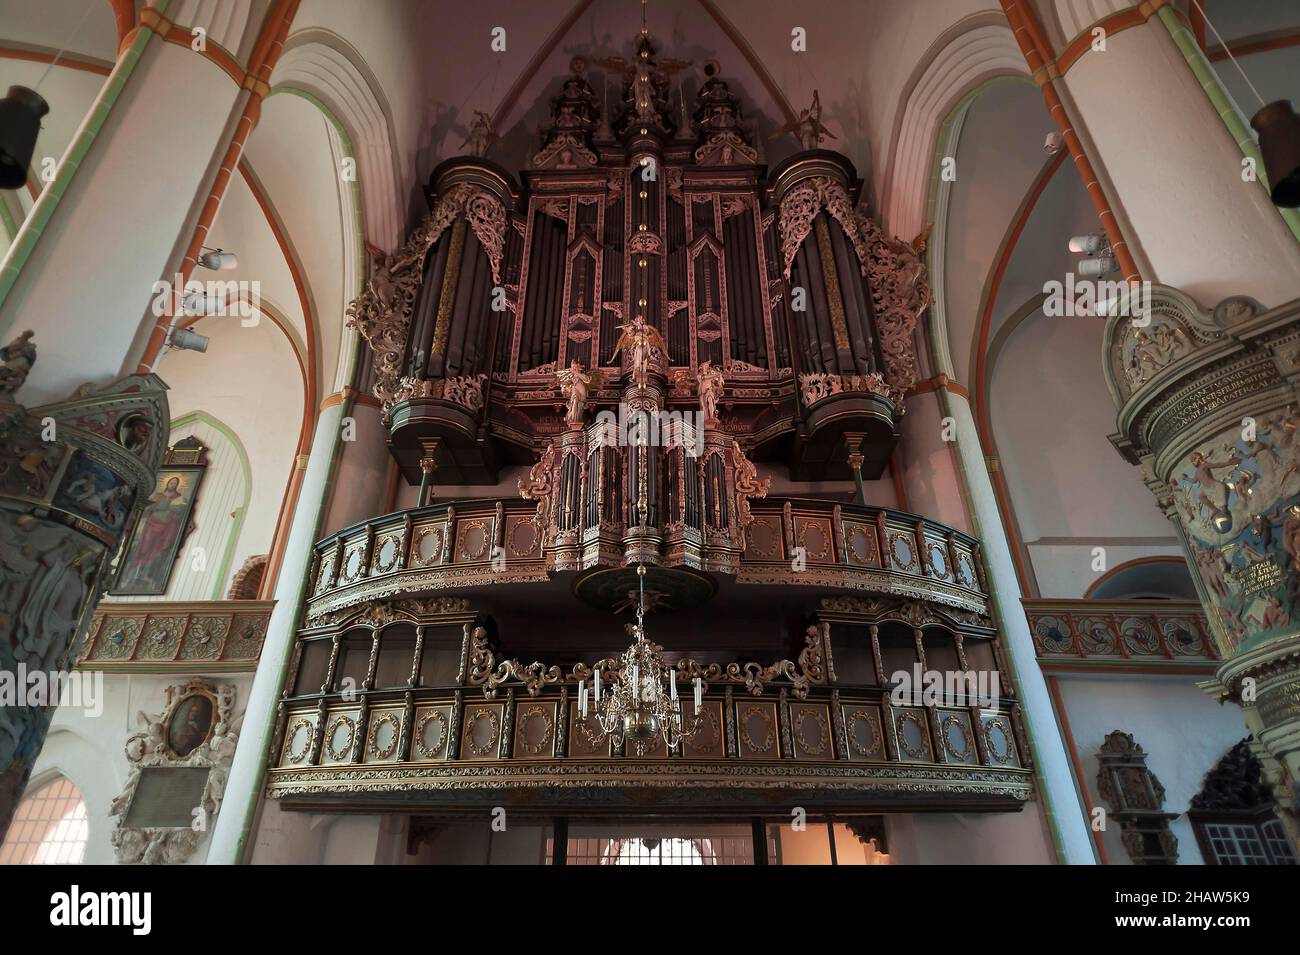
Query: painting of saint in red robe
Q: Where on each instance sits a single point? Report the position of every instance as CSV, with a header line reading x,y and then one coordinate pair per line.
x,y
162,526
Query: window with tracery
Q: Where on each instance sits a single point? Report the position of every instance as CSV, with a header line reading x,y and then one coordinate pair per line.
x,y
49,827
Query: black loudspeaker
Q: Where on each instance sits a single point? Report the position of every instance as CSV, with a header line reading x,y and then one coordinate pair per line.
x,y
20,122
1279,142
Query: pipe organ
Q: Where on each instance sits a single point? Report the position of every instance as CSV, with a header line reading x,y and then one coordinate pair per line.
x,y
776,279
641,317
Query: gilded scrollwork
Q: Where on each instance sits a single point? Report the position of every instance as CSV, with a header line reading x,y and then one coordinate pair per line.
x,y
800,207
900,294
423,745
895,271
748,486
540,486
386,750
808,670
380,613
381,314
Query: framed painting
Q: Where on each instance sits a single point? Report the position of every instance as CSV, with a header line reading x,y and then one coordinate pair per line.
x,y
164,523
190,722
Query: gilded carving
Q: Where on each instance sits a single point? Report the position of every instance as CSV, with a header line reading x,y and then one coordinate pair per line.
x,y
381,314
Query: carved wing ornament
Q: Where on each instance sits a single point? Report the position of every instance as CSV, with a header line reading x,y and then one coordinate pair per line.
x,y
381,314
896,275
800,207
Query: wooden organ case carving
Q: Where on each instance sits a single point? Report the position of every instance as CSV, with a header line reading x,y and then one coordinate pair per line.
x,y
777,280
642,316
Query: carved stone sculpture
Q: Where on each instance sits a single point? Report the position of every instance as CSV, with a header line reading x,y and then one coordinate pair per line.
x,y
808,125
574,384
18,357
641,346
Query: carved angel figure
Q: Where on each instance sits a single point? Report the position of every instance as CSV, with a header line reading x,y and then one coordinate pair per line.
x,y
482,136
538,487
639,343
574,383
381,284
711,382
808,126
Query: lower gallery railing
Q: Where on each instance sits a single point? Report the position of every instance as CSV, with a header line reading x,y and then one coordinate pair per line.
x,y
407,704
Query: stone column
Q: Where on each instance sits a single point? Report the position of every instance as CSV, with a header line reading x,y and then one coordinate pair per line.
x,y
75,478
1055,778
243,790
1208,410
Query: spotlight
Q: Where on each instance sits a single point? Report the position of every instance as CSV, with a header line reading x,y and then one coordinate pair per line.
x,y
1279,142
1087,244
1091,268
219,260
186,340
197,303
20,122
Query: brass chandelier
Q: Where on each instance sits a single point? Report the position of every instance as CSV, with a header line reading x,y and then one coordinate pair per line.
x,y
642,705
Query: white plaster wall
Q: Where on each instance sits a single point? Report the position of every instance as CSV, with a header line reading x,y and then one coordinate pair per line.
x,y
1072,491
1183,731
929,465
998,157
1065,569
88,748
249,379
361,476
115,230
1009,838
46,24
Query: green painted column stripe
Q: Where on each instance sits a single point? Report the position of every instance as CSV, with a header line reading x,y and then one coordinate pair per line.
x,y
39,217
1223,104
7,217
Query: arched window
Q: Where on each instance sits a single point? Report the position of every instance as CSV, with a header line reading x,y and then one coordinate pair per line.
x,y
49,827
1147,578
